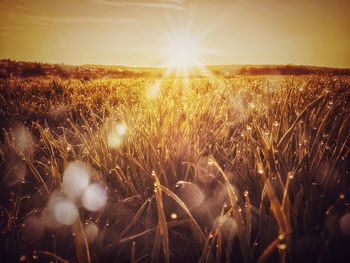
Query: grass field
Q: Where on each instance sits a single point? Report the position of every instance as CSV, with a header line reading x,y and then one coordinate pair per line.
x,y
215,169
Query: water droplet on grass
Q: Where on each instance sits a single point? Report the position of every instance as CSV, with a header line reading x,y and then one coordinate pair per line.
x,y
173,216
281,246
290,175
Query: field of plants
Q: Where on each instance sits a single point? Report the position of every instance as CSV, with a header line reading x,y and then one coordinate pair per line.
x,y
142,169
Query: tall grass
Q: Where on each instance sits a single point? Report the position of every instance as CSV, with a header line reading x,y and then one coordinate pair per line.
x,y
222,170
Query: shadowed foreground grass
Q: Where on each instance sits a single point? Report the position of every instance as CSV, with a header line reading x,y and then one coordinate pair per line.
x,y
239,169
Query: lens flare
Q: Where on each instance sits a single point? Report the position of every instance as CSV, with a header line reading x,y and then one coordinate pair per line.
x,y
94,197
121,129
22,140
190,194
65,212
76,179
116,135
60,210
154,90
227,225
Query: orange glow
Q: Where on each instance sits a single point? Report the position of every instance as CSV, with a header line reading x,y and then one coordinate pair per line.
x,y
120,32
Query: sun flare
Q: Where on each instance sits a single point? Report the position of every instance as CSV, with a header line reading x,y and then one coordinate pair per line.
x,y
182,51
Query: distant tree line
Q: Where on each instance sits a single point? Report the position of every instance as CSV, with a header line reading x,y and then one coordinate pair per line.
x,y
290,70
10,68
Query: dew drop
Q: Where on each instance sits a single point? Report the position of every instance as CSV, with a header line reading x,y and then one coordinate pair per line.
x,y
173,216
281,246
290,175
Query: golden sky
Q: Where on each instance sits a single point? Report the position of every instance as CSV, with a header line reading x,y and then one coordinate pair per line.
x,y
134,32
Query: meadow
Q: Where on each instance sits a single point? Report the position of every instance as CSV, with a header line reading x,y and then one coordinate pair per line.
x,y
142,169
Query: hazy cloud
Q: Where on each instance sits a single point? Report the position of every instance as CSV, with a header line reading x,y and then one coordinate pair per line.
x,y
47,20
166,4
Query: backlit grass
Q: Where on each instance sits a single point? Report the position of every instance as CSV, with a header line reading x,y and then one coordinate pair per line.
x,y
239,169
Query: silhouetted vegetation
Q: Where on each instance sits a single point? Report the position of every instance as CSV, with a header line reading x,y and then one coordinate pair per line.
x,y
86,72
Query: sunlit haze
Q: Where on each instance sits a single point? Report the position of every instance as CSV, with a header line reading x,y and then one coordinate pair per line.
x,y
136,33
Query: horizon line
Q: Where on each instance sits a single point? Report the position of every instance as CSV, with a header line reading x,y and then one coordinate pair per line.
x,y
162,67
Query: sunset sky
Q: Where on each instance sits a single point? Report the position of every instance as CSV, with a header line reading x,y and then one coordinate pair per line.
x,y
134,32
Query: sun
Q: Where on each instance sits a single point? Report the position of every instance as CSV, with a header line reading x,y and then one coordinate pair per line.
x,y
182,50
